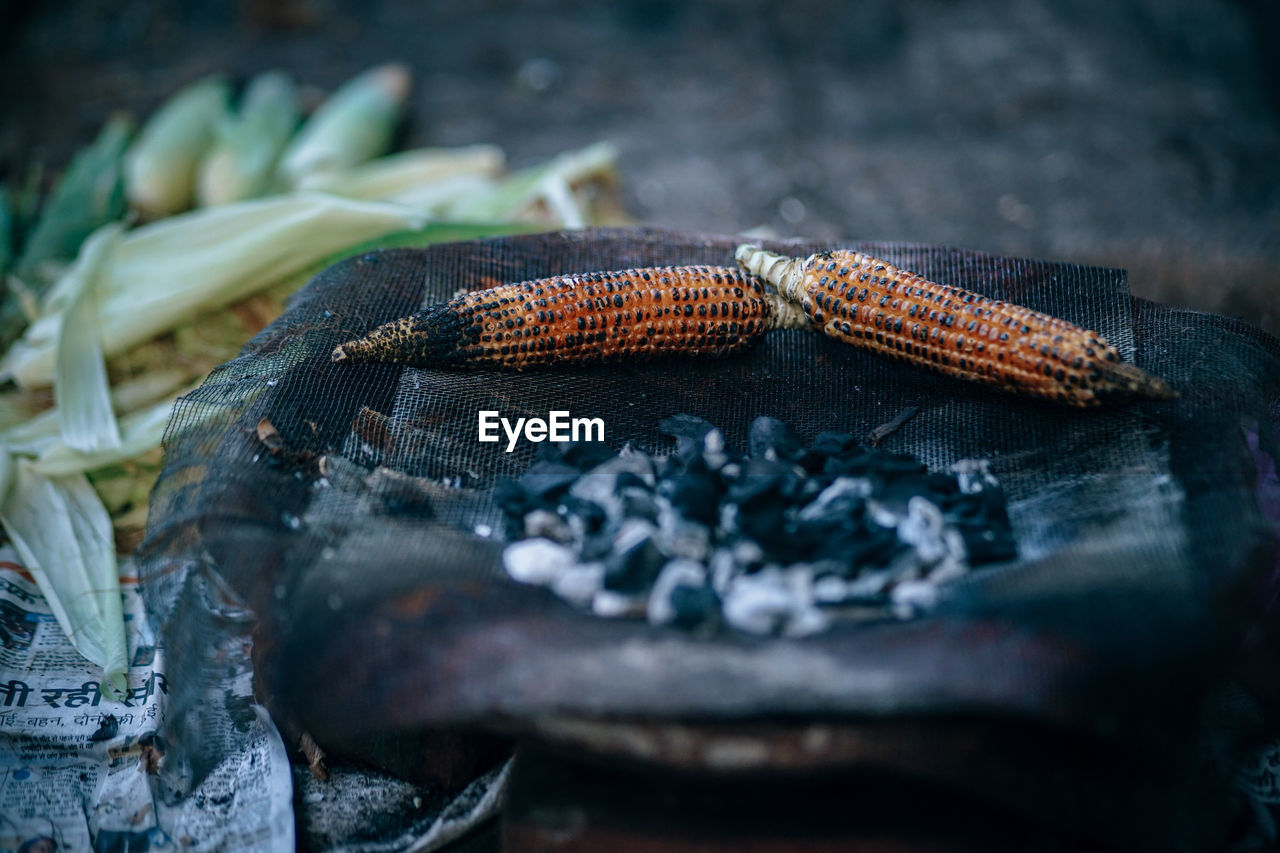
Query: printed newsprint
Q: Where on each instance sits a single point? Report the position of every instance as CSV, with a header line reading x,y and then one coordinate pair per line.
x,y
78,771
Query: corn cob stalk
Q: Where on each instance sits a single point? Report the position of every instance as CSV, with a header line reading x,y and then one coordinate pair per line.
x,y
863,301
596,317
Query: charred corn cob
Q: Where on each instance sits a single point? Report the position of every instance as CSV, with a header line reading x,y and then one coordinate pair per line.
x,y
871,304
596,317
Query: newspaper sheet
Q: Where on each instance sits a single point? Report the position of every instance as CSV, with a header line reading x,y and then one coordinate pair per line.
x,y
79,771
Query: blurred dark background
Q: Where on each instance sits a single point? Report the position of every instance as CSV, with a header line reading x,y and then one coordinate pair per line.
x,y
1142,134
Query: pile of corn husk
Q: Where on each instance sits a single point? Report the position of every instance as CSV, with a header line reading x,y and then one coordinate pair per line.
x,y
217,208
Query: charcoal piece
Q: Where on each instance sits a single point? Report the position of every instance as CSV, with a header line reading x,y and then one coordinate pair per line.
x,y
984,507
584,455
830,589
973,475
636,467
748,555
766,523
638,502
514,501
759,603
995,508
686,456
961,506
830,443
770,434
537,561
795,488
627,480
885,514
760,480
727,525
546,479
774,601
922,529
612,605
545,524
910,598
714,456
579,583
899,488
943,485
722,568
679,537
872,546
826,568
694,606
811,488
696,496
828,539
870,587
590,515
594,546
681,597
609,503
855,462
685,426
985,543
600,484
844,500
634,560
953,565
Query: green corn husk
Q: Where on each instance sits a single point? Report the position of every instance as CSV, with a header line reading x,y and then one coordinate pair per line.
x,y
167,272
160,168
63,535
423,179
7,228
80,387
140,432
241,163
355,125
548,184
142,404
90,194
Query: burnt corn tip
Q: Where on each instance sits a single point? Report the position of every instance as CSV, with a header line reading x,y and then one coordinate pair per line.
x,y
1124,381
432,337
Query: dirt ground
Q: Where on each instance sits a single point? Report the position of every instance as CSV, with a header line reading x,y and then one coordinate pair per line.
x,y
1143,134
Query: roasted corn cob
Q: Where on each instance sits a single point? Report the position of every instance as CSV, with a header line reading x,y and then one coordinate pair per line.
x,y
871,304
596,317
